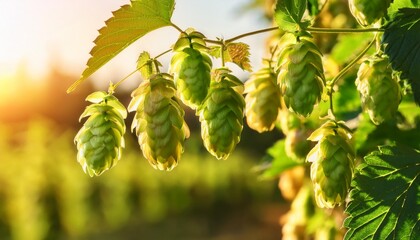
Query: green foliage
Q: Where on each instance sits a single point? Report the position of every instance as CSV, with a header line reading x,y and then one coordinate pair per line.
x,y
45,195
288,15
401,45
368,12
315,6
397,4
128,24
278,161
385,200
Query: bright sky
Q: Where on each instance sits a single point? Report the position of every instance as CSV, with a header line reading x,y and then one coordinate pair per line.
x,y
40,33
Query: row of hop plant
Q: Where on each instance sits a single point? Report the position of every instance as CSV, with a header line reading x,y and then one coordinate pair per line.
x,y
293,78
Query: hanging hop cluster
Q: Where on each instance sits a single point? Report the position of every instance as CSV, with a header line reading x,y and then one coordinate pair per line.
x,y
100,140
368,12
379,91
191,67
332,161
262,100
301,75
159,121
221,114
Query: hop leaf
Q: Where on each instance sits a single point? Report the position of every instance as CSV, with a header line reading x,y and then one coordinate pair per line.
x,y
301,76
159,121
100,140
379,91
401,45
221,115
368,12
128,24
385,200
288,14
262,100
191,67
332,161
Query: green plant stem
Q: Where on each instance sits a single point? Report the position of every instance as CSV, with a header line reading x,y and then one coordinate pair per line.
x,y
331,84
251,33
309,29
352,63
342,30
177,28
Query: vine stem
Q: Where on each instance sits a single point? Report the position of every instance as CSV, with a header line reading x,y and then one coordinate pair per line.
x,y
176,27
352,63
344,71
309,29
342,30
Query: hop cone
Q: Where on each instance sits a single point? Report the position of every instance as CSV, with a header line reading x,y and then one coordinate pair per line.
x,y
100,140
159,121
221,115
301,76
367,12
379,91
191,68
262,100
332,163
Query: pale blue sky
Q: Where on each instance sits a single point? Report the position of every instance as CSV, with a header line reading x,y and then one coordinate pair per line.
x,y
37,33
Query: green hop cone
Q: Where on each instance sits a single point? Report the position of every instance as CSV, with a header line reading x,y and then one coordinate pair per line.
x,y
100,140
262,100
379,91
159,121
191,67
368,12
221,114
332,161
301,76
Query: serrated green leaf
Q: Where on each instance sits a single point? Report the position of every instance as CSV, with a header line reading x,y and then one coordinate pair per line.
x,y
128,24
397,4
288,14
402,45
385,200
281,161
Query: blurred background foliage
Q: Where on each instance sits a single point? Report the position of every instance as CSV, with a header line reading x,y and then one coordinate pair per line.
x,y
45,194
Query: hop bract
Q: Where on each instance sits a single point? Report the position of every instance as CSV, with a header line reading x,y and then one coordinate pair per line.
x,y
191,67
301,75
379,91
262,100
332,161
368,12
100,140
159,121
222,113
